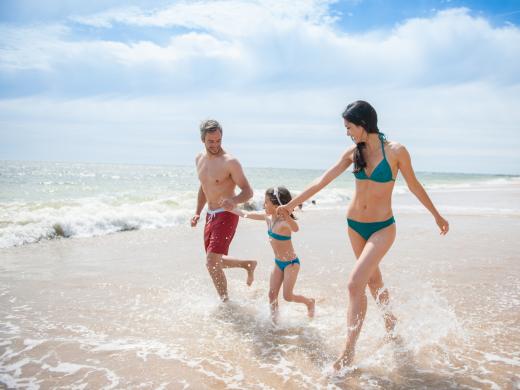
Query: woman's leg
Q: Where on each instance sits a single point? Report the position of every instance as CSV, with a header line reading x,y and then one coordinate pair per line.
x,y
382,298
289,280
374,250
375,283
274,289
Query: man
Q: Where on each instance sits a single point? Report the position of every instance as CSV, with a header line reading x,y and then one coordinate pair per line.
x,y
219,174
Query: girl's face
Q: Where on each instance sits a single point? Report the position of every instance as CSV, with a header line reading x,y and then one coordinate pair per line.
x,y
357,133
269,207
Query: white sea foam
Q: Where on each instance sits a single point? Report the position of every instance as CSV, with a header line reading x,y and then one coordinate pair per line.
x,y
86,218
40,201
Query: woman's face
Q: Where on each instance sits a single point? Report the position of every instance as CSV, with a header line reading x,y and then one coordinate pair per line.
x,y
357,133
269,207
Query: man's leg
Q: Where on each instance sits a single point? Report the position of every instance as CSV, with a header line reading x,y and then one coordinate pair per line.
x,y
248,265
214,265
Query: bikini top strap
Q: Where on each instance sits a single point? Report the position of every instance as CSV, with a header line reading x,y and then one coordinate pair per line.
x,y
271,224
382,138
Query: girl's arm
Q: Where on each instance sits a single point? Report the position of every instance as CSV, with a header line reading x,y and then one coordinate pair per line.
x,y
292,223
405,165
259,216
322,181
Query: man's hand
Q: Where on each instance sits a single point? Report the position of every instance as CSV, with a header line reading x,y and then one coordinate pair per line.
x,y
227,204
194,220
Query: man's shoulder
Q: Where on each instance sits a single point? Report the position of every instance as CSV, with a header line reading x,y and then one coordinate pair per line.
x,y
228,158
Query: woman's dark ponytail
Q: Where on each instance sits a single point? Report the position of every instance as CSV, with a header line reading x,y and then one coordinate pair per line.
x,y
361,114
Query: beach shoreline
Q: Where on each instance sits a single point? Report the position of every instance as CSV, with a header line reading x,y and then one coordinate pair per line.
x,y
122,309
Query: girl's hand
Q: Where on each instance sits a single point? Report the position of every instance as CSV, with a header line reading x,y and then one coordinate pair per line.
x,y
443,225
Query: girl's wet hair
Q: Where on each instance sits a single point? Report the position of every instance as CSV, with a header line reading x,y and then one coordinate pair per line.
x,y
284,196
361,114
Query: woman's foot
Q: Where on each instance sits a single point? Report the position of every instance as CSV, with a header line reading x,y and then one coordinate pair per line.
x,y
250,272
390,322
343,361
311,308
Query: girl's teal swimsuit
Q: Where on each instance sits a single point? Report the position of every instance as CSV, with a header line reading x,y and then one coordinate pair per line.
x,y
381,174
280,263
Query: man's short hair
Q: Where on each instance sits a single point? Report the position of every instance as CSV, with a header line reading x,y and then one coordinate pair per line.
x,y
209,126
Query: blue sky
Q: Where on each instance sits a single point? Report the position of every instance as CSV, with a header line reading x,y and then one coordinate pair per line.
x,y
114,81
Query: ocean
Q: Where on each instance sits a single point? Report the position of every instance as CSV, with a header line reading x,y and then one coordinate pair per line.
x,y
56,200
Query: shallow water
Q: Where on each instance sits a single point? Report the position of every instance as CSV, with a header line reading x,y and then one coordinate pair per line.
x,y
137,310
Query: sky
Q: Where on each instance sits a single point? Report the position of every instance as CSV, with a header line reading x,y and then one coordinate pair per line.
x,y
129,82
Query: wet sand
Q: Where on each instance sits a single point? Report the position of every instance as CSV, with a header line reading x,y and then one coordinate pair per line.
x,y
138,309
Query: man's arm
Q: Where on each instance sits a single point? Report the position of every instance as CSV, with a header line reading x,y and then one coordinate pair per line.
x,y
239,178
201,202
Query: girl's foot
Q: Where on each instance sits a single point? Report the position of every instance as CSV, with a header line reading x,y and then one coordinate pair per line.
x,y
251,272
274,315
311,307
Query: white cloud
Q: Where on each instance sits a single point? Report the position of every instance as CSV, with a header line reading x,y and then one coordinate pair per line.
x,y
29,47
275,74
284,44
443,127
230,17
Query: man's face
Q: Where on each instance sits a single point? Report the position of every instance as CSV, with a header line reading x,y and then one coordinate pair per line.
x,y
212,142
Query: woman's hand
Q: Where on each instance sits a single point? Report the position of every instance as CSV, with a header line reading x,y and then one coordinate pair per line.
x,y
283,211
442,224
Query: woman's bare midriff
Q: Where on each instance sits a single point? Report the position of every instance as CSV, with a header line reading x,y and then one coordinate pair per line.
x,y
372,201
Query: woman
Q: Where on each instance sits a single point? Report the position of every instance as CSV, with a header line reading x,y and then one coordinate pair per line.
x,y
371,225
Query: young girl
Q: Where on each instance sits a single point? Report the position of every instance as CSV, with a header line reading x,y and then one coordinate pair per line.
x,y
287,265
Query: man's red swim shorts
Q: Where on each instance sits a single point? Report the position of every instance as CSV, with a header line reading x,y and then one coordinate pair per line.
x,y
219,231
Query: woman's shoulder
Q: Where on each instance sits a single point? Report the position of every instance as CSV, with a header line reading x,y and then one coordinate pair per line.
x,y
349,152
395,148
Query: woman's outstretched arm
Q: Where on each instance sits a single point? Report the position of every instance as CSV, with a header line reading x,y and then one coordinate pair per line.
x,y
319,183
405,165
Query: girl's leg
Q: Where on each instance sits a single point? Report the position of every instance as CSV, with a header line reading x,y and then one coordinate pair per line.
x,y
289,280
274,289
375,283
375,248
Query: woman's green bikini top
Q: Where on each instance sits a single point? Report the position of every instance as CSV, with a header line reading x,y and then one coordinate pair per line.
x,y
382,172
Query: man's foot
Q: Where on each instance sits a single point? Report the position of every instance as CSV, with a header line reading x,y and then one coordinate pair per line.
x,y
224,298
250,272
311,307
343,361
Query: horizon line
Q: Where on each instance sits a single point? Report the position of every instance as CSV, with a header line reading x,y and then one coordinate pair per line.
x,y
245,166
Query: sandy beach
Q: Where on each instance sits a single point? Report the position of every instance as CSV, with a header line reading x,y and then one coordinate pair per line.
x,y
138,309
